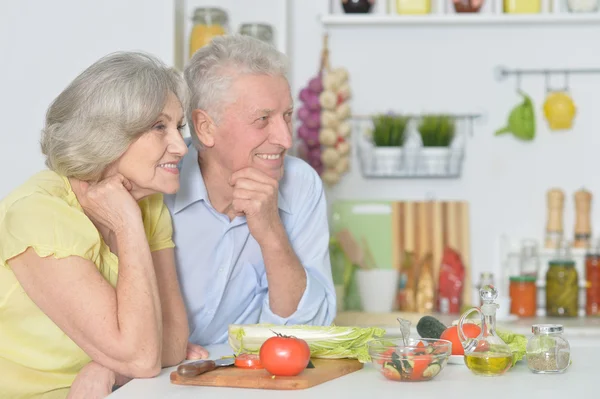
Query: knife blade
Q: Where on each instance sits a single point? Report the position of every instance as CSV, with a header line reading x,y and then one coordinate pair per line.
x,y
198,367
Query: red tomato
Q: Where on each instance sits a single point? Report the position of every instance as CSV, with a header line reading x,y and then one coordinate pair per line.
x,y
284,356
393,375
421,362
248,361
451,334
386,356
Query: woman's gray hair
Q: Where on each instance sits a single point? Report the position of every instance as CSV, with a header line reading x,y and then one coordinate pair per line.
x,y
105,109
212,69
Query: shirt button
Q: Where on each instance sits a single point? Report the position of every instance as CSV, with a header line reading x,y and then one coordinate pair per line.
x,y
220,270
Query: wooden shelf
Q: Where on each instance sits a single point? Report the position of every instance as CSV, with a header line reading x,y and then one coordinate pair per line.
x,y
461,19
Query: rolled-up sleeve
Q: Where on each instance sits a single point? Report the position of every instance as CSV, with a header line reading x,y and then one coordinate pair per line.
x,y
309,237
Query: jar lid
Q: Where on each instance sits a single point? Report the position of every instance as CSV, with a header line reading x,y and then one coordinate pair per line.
x,y
547,328
523,279
210,15
564,263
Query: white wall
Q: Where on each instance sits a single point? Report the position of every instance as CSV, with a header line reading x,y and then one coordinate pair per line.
x,y
45,44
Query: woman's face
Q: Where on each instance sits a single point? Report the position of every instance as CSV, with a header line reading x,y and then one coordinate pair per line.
x,y
150,162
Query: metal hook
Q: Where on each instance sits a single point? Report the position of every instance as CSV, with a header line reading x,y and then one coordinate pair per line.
x,y
518,80
566,80
547,80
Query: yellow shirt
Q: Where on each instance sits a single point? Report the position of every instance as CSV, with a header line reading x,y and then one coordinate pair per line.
x,y
38,360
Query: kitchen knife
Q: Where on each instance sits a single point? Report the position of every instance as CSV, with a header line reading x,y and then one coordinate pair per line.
x,y
202,366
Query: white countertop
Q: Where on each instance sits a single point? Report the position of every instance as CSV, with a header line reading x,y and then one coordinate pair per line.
x,y
580,380
575,327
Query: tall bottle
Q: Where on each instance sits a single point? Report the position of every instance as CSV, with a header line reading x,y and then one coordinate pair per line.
x,y
583,228
554,227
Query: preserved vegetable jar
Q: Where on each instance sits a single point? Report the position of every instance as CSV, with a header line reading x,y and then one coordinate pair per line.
x,y
562,289
208,23
523,296
547,350
592,276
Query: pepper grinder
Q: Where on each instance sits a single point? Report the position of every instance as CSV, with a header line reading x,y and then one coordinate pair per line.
x,y
583,229
554,227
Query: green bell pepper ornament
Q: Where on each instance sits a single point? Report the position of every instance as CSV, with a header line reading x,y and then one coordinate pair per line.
x,y
521,120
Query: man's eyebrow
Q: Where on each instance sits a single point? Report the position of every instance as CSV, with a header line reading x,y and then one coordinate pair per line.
x,y
263,111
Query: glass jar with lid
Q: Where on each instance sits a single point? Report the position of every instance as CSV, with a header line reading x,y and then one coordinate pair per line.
x,y
562,284
582,5
592,277
523,296
262,32
547,350
209,22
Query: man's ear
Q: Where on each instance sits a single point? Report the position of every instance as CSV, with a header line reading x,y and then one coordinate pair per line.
x,y
204,127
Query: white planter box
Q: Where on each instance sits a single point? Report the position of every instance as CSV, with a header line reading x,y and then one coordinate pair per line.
x,y
434,160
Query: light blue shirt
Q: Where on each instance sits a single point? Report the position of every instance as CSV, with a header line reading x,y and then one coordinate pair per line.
x,y
220,266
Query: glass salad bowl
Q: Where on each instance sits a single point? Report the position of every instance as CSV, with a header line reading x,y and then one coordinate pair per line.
x,y
416,360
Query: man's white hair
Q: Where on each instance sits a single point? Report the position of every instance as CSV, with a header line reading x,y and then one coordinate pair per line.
x,y
212,69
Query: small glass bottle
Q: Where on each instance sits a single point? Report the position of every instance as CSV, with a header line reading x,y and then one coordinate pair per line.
x,y
208,23
262,32
523,296
529,261
562,288
592,276
547,350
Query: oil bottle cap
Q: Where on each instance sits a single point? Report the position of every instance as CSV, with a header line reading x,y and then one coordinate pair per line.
x,y
488,294
547,328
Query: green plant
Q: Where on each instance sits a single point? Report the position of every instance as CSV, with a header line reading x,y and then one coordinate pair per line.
x,y
436,130
389,130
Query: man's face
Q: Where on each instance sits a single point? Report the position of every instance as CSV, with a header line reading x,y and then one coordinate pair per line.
x,y
255,129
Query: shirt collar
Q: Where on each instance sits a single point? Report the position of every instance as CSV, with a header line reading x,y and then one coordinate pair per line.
x,y
192,188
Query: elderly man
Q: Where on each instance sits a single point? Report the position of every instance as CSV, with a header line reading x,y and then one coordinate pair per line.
x,y
250,223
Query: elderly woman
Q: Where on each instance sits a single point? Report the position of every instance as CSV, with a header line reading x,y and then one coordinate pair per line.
x,y
89,295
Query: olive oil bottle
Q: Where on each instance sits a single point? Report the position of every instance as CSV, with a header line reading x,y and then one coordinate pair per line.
x,y
488,363
487,354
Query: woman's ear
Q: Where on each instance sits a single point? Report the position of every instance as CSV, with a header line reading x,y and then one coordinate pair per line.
x,y
204,127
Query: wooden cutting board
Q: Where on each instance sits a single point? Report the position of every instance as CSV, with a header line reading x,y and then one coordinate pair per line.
x,y
233,377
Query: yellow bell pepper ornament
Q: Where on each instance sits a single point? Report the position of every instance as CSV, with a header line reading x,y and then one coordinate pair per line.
x,y
559,110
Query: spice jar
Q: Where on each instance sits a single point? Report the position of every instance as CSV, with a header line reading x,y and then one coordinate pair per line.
x,y
582,5
547,350
592,276
562,288
208,23
522,6
466,6
523,296
262,32
413,6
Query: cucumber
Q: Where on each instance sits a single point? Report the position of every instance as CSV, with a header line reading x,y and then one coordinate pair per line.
x,y
430,327
432,370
